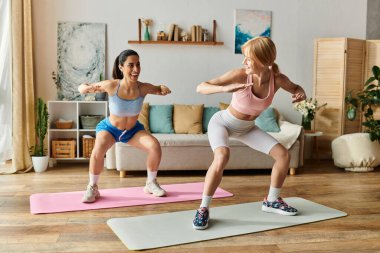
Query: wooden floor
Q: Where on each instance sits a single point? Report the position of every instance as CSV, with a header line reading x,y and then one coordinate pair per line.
x,y
357,194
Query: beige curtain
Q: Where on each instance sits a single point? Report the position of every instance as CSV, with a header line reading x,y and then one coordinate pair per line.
x,y
23,85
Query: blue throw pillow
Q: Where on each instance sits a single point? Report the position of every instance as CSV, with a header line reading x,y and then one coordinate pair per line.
x,y
208,112
267,121
161,119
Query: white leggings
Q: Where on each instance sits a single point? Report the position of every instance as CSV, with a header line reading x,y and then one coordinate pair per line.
x,y
223,124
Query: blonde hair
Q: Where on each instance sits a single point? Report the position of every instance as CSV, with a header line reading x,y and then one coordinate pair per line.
x,y
263,50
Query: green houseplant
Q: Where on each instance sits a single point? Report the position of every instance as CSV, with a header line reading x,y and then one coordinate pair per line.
x,y
39,157
365,101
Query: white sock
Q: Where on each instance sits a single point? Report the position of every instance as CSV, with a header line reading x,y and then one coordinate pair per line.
x,y
206,201
273,194
152,175
93,179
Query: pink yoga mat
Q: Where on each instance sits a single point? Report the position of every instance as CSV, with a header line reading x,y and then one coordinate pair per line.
x,y
119,197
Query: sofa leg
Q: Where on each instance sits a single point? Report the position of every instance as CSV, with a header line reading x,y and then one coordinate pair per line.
x,y
292,171
123,173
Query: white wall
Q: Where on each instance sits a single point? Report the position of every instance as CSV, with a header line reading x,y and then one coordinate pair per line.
x,y
295,25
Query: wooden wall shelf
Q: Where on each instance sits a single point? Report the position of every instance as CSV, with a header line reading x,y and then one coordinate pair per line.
x,y
213,41
206,43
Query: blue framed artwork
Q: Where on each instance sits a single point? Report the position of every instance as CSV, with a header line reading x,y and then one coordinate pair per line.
x,y
250,24
81,57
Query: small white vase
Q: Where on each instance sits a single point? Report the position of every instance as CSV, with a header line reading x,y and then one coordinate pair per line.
x,y
40,163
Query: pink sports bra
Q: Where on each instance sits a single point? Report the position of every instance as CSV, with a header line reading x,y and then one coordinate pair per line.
x,y
244,101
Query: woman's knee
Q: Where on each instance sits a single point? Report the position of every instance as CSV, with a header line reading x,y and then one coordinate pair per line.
x,y
153,146
221,156
98,153
280,153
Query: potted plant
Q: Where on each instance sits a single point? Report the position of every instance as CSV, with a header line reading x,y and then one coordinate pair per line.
x,y
39,158
366,101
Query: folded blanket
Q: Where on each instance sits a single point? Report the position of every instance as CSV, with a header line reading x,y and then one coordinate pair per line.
x,y
288,134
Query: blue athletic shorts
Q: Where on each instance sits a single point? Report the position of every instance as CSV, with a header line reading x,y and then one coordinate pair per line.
x,y
119,135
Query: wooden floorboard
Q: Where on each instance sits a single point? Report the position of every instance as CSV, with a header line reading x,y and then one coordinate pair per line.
x,y
357,194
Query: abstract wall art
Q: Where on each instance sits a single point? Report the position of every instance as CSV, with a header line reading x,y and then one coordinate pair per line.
x,y
250,24
81,57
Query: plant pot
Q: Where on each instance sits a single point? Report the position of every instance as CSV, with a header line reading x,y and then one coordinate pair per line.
x,y
40,163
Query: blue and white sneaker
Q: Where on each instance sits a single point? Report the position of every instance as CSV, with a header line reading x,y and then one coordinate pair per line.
x,y
201,218
278,206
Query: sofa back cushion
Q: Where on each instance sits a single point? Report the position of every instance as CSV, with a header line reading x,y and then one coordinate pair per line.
x,y
161,119
223,106
187,119
144,116
267,120
208,112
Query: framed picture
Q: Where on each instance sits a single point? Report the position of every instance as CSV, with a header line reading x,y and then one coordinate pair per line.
x,y
81,57
250,24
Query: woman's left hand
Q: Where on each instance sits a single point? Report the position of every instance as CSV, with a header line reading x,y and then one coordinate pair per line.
x,y
298,96
164,90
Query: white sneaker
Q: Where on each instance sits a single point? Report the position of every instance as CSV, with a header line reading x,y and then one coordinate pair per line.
x,y
91,194
154,188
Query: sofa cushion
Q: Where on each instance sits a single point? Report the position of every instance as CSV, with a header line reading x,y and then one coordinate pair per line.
x,y
144,116
187,119
223,106
161,119
208,112
267,120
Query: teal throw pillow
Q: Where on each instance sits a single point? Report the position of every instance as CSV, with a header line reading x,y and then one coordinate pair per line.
x,y
161,119
267,121
208,112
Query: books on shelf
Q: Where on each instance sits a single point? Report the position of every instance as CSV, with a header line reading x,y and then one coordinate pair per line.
x,y
171,32
176,33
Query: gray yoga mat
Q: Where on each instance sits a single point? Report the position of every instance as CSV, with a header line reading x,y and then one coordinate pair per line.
x,y
167,229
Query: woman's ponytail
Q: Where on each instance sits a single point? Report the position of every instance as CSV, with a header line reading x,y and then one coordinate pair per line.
x,y
275,68
116,72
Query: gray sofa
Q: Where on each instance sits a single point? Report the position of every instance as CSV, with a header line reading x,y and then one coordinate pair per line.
x,y
193,152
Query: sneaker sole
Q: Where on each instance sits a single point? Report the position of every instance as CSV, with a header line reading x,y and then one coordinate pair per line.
x,y
146,190
92,201
278,211
199,227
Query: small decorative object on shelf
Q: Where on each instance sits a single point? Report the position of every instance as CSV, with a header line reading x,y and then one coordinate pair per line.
x,y
205,35
147,22
307,108
161,35
184,36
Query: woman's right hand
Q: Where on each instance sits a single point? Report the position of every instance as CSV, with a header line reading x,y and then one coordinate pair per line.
x,y
86,88
236,86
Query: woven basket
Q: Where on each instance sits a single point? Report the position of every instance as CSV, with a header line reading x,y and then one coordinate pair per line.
x,y
88,145
90,121
63,124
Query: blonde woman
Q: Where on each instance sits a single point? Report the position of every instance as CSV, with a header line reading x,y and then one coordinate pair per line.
x,y
126,96
253,88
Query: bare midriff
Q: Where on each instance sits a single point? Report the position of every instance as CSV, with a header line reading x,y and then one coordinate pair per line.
x,y
123,123
240,115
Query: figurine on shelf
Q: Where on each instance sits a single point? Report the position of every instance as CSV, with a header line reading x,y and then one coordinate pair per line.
x,y
184,36
161,35
204,35
147,22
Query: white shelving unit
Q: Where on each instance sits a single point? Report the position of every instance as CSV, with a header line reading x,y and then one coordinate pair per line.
x,y
72,110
